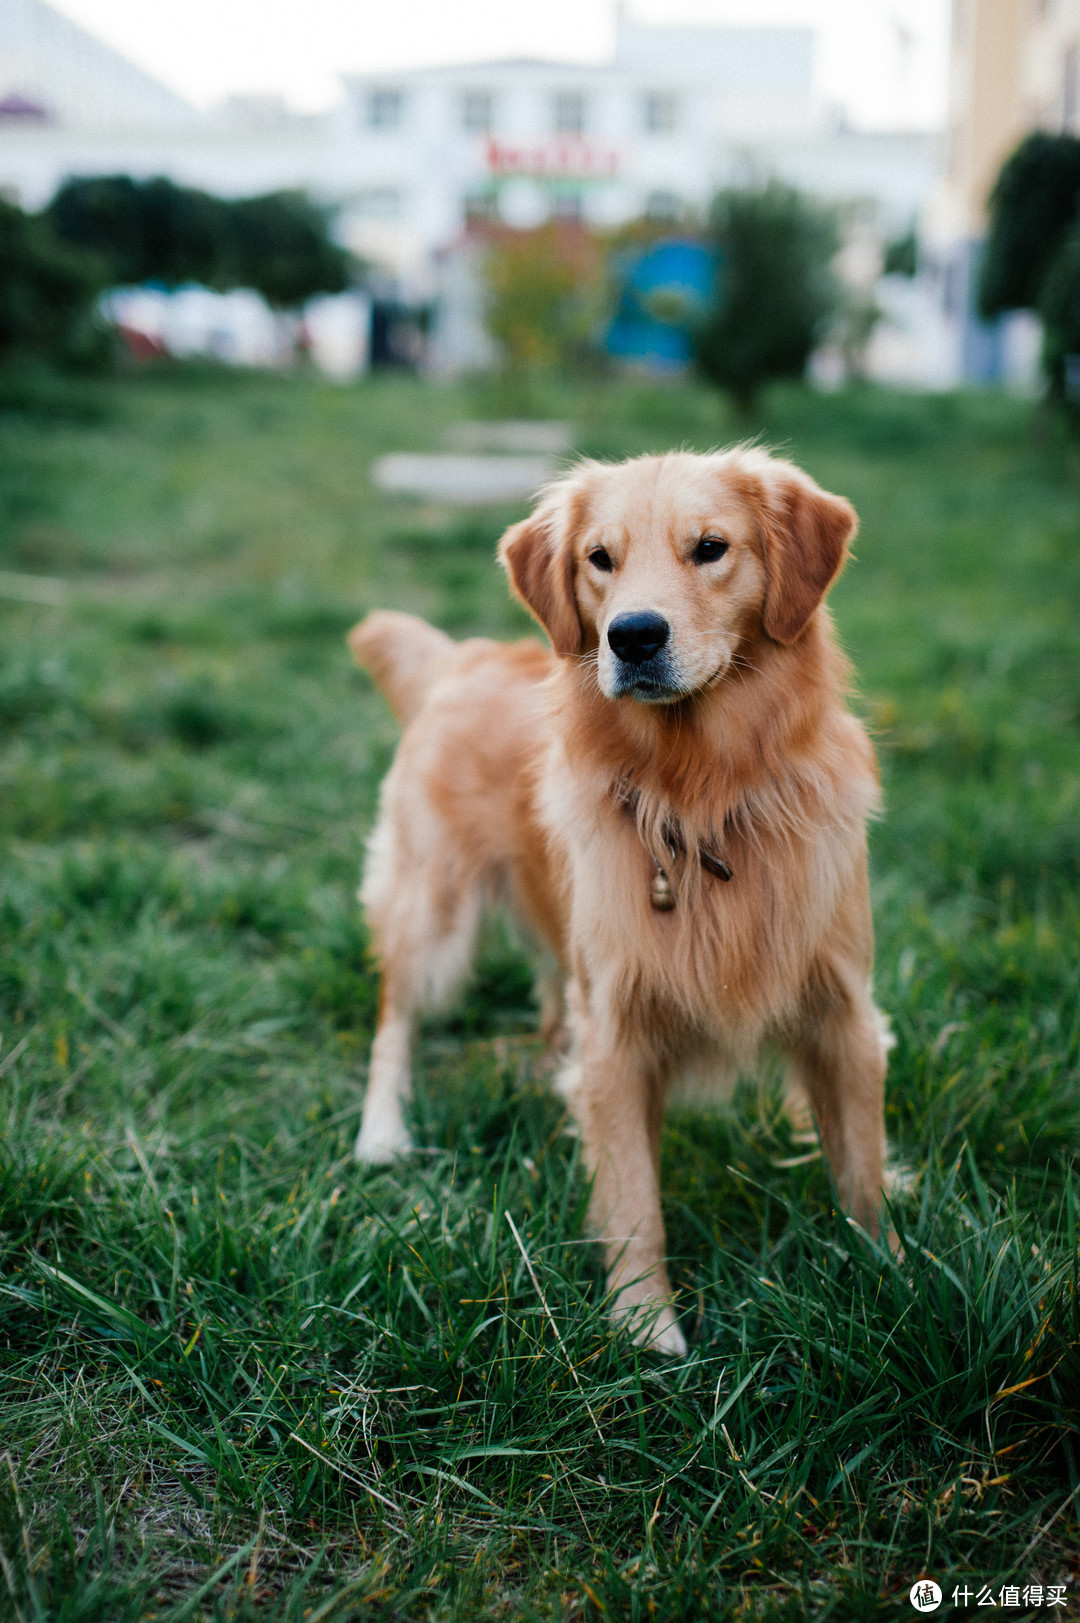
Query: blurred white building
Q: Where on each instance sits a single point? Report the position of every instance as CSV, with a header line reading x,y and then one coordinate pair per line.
x,y
675,113
409,159
53,73
411,156
70,105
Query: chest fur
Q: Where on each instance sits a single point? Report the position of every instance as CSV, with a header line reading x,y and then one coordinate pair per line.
x,y
731,953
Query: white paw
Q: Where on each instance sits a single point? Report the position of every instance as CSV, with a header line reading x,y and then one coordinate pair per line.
x,y
378,1146
654,1326
664,1336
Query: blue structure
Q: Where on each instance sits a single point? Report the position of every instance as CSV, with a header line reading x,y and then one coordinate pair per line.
x,y
982,346
666,289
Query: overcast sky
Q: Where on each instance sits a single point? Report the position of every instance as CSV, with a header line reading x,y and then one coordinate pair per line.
x,y
883,60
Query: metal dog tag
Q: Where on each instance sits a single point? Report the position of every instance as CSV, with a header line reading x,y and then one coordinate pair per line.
x,y
661,894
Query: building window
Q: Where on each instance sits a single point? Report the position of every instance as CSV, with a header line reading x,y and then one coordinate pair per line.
x,y
477,111
663,207
385,109
660,112
1070,88
481,206
378,203
569,112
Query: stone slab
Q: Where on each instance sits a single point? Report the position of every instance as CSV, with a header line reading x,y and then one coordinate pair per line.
x,y
462,481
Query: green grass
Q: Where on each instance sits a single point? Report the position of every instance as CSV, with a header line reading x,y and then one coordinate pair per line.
x,y
241,1378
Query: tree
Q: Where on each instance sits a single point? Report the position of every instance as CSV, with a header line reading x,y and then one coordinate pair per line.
x,y
144,231
156,231
901,256
1032,259
280,244
1035,201
545,291
775,290
48,293
1059,306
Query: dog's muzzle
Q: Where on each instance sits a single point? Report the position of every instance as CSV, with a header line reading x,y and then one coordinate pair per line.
x,y
643,665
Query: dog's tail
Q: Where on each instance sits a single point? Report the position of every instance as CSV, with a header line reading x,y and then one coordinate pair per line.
x,y
403,655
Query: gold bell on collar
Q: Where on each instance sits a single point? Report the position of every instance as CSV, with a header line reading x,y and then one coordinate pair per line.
x,y
661,894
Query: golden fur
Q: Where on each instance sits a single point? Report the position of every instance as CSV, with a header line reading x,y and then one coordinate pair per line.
x,y
557,782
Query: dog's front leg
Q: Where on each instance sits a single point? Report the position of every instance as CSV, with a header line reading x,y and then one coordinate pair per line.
x,y
616,1095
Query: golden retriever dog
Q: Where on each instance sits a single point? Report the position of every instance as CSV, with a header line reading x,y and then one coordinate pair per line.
x,y
672,801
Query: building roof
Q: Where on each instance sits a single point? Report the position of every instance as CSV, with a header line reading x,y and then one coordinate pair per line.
x,y
50,63
729,58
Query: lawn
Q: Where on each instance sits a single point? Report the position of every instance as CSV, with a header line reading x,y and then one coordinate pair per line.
x,y
242,1379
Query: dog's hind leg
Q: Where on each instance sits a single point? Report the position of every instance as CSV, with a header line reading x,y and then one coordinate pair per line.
x,y
424,917
383,1134
419,977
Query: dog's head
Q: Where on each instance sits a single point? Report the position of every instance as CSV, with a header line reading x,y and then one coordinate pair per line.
x,y
666,566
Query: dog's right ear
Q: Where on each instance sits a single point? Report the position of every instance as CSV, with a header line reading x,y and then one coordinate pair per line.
x,y
540,563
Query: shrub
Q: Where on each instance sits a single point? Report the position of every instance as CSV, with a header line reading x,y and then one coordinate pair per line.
x,y
156,231
281,245
1059,306
1034,203
775,291
1032,258
545,292
142,231
901,257
47,292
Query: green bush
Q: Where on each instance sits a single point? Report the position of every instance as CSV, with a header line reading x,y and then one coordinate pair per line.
x,y
156,231
901,257
47,293
1032,259
776,289
1059,306
545,292
1032,207
280,244
142,231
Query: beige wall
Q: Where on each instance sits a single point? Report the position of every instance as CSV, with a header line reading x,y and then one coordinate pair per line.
x,y
986,117
1015,66
1050,70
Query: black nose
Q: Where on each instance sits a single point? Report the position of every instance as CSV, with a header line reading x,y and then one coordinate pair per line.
x,y
637,637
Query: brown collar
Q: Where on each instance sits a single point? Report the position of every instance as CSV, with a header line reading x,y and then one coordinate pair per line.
x,y
661,894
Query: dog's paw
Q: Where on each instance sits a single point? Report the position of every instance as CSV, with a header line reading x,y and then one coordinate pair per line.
x,y
664,1336
654,1327
379,1146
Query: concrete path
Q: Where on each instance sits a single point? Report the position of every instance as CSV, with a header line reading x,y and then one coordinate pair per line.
x,y
463,481
525,458
511,434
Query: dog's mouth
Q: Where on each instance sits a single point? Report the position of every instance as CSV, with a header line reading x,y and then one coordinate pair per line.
x,y
653,676
653,682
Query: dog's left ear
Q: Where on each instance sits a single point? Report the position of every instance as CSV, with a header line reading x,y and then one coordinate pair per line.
x,y
540,563
806,532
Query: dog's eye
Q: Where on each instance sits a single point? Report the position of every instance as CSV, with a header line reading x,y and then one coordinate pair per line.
x,y
601,560
708,549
